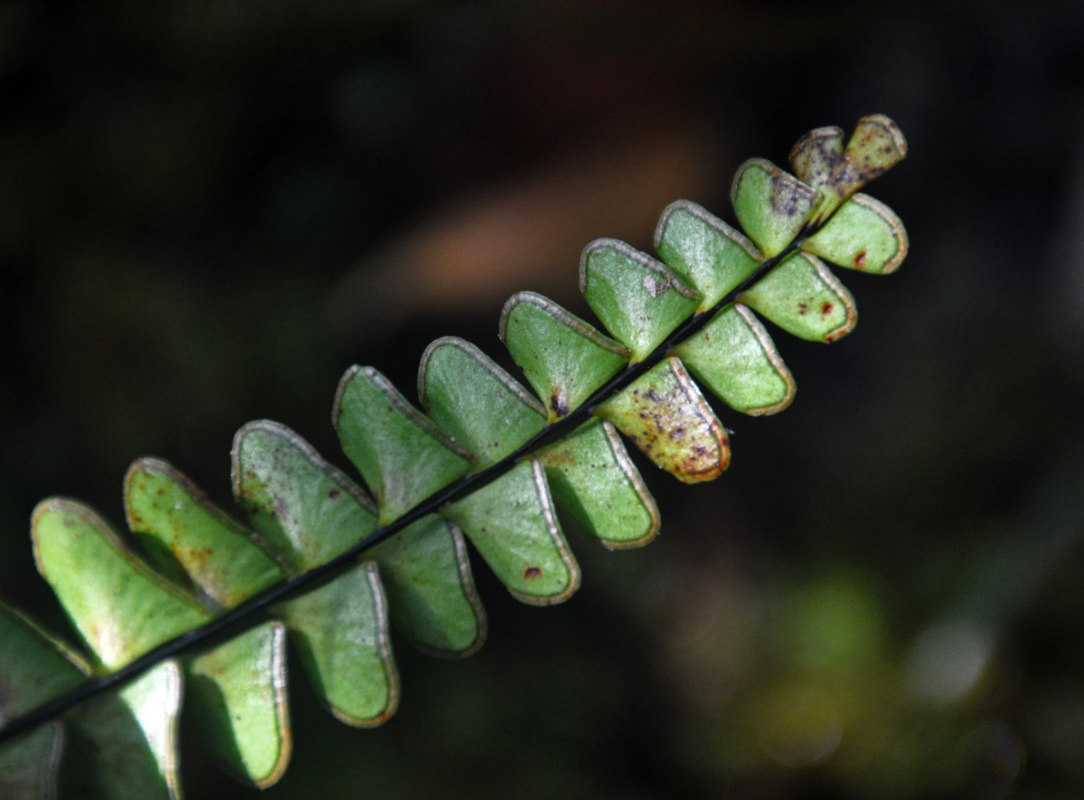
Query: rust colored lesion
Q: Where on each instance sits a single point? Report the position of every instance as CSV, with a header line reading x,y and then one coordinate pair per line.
x,y
531,573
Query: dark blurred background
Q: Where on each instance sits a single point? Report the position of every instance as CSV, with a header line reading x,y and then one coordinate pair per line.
x,y
210,208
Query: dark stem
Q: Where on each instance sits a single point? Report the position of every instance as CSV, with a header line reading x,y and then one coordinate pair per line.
x,y
252,612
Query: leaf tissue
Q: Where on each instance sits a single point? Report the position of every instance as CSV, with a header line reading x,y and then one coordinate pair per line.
x,y
209,604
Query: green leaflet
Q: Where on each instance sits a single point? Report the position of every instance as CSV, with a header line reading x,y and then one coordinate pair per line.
x,y
864,234
400,454
488,462
186,535
638,299
121,607
563,358
341,633
475,402
239,690
305,510
514,525
804,298
772,206
704,251
596,484
427,577
735,358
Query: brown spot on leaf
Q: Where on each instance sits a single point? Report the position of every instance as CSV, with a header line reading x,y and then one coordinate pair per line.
x,y
803,308
827,309
334,494
532,572
860,259
558,405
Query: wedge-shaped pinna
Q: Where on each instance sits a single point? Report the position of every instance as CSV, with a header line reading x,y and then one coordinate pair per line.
x,y
120,606
772,206
705,252
665,415
563,358
864,234
402,456
240,686
513,523
479,406
476,403
638,300
125,747
240,689
190,539
735,358
341,633
594,481
804,298
306,514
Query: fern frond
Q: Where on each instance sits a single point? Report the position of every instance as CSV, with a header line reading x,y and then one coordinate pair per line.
x,y
332,567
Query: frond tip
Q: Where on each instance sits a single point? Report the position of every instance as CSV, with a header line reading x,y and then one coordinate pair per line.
x,y
331,566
